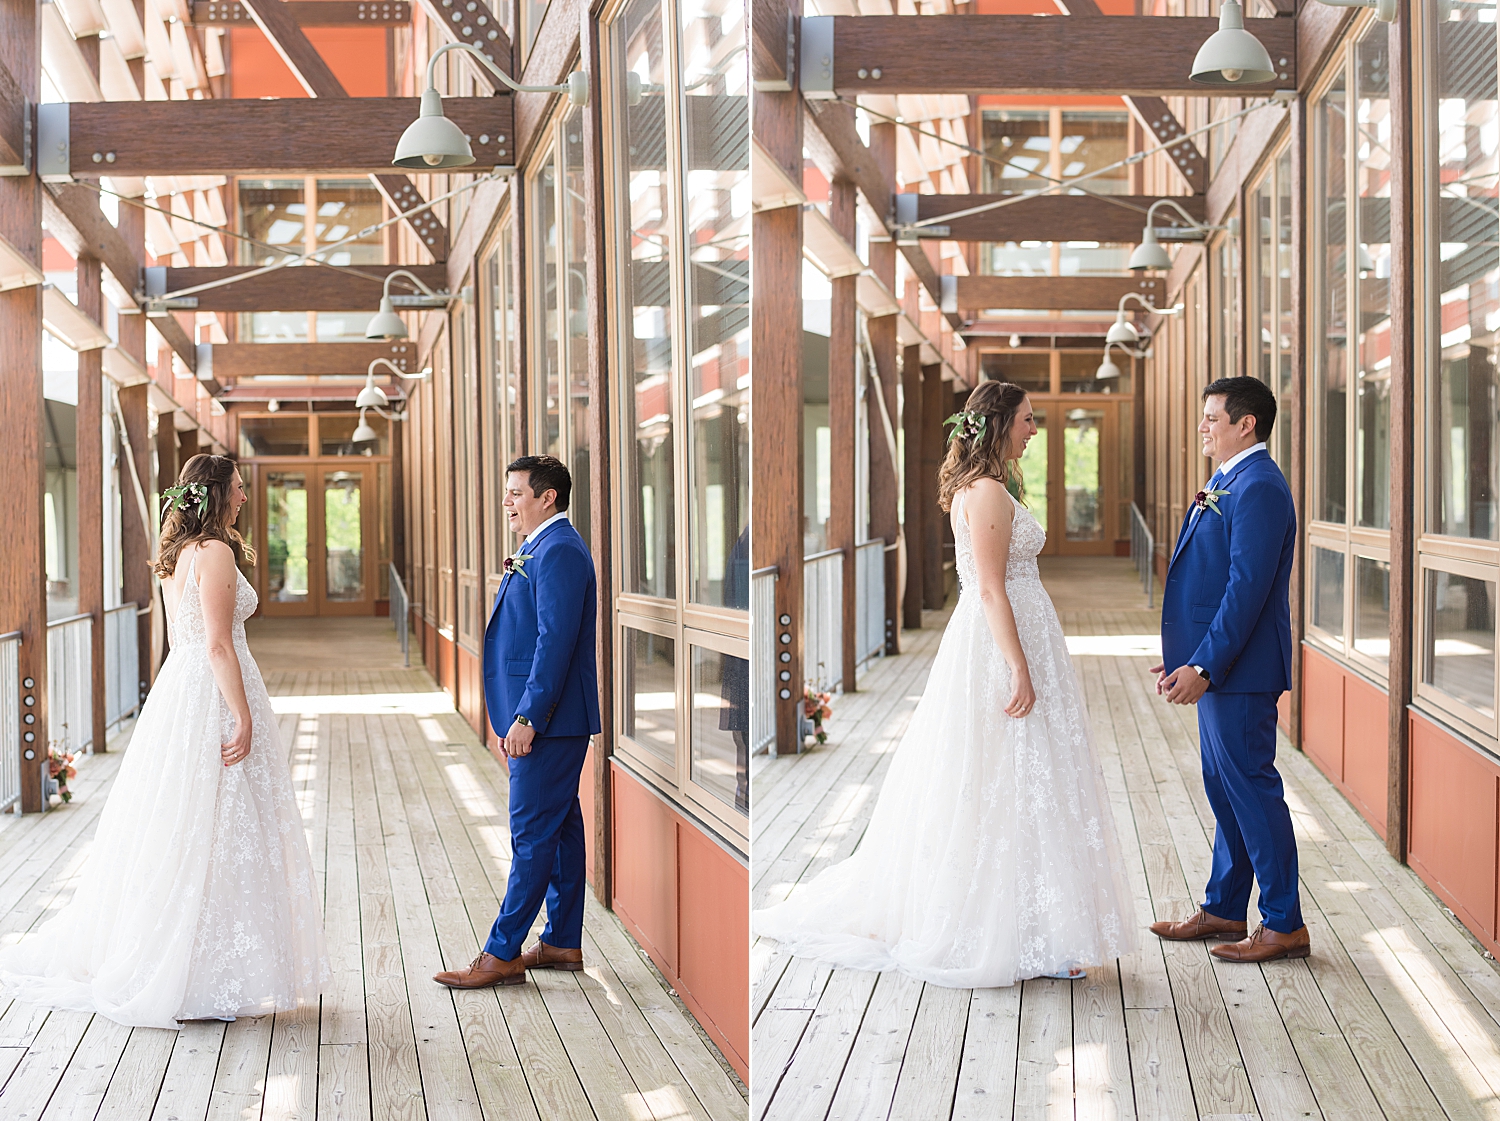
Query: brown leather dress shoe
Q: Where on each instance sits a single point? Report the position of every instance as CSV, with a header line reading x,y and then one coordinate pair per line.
x,y
1202,925
1267,945
484,971
543,956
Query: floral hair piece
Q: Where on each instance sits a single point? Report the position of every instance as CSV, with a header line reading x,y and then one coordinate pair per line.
x,y
179,496
966,424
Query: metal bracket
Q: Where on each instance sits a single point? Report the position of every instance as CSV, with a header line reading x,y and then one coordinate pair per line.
x,y
54,159
948,294
204,367
1180,233
906,229
815,72
437,300
24,167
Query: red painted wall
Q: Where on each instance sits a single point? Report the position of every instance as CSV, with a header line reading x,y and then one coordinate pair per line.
x,y
687,902
1344,732
356,55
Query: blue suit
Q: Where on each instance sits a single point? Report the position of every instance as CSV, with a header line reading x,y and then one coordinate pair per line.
x,y
539,663
1225,608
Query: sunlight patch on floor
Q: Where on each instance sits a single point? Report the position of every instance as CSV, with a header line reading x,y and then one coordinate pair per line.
x,y
665,1104
1115,645
364,704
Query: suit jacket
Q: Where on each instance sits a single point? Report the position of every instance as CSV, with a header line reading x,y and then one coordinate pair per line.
x,y
539,642
1225,604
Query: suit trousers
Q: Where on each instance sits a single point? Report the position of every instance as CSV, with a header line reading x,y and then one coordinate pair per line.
x,y
1237,736
547,843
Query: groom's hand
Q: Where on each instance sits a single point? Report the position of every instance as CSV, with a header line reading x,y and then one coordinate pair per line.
x,y
518,740
1183,686
1161,673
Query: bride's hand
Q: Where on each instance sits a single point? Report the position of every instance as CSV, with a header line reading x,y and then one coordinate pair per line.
x,y
1023,696
237,746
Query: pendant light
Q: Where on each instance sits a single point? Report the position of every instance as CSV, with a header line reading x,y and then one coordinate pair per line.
x,y
1232,56
387,324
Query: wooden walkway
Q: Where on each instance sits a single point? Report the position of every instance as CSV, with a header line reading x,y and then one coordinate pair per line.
x,y
406,817
1395,1015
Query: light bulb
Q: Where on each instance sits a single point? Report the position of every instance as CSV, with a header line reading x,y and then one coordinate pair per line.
x,y
431,159
1231,75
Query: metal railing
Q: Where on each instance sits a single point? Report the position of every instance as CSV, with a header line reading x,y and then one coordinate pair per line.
x,y
869,600
401,615
10,719
70,683
823,620
762,658
1143,551
122,688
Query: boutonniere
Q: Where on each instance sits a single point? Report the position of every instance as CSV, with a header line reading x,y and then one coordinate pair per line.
x,y
1209,500
516,562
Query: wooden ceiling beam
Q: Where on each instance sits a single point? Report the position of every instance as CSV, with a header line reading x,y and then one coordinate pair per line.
x,y
283,136
300,288
1055,217
175,335
306,13
1027,56
1054,293
477,26
79,208
13,110
231,361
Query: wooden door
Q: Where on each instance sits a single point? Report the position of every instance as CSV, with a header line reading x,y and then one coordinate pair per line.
x,y
1072,469
317,523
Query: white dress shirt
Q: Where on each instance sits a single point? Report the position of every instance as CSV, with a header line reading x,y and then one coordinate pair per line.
x,y
562,516
1225,467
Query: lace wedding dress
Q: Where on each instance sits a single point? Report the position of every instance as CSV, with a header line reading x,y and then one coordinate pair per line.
x,y
198,898
991,853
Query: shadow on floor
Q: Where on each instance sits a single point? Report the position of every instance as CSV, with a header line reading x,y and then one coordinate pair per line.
x,y
361,642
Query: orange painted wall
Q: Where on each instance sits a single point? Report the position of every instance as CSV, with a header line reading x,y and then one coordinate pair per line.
x,y
1344,732
356,55
687,902
470,697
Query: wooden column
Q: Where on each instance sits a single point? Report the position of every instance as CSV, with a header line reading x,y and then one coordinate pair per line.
x,y
135,535
595,178
842,424
915,499
1403,432
776,400
187,447
90,444
885,520
933,434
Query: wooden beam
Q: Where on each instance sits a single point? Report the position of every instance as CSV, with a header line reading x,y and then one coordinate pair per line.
x,y
299,288
232,361
772,64
13,123
1055,293
175,336
917,500
79,207
884,413
281,136
478,27
306,13
1026,56
401,193
927,275
1105,218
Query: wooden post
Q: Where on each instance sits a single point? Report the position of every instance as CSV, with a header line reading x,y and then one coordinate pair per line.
x,y
167,467
885,521
842,425
187,447
91,482
934,594
1403,434
776,400
135,536
595,177
915,503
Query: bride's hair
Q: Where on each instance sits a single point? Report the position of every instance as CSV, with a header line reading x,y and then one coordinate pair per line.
x,y
983,456
183,525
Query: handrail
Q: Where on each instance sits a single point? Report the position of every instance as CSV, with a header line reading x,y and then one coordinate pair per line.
x,y
11,635
1143,551
70,619
401,614
823,555
769,570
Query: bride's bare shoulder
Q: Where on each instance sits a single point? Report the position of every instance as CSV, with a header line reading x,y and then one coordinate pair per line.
x,y
987,497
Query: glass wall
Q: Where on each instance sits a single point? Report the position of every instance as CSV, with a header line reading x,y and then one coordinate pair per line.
x,y
1348,432
500,388
679,240
1271,318
1457,128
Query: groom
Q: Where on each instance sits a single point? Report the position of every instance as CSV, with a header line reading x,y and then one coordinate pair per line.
x,y
1226,628
542,693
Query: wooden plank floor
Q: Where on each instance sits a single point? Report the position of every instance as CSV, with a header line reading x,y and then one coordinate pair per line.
x,y
406,817
1395,1015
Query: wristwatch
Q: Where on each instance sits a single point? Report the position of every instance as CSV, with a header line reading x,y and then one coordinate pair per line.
x,y
1203,673
521,720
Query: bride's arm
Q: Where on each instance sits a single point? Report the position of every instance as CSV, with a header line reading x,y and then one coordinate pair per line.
x,y
218,588
991,516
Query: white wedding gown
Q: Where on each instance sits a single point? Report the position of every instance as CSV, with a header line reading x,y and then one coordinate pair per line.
x,y
198,898
991,853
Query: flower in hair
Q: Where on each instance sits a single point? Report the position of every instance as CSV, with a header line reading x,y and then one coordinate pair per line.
x,y
967,425
179,496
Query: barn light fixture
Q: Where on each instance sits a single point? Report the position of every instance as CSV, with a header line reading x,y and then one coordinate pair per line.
x,y
387,324
1126,333
1150,255
1231,55
1107,368
372,396
432,142
1385,10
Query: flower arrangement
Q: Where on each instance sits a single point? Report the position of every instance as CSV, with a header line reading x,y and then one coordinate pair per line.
x,y
967,425
179,496
516,562
60,769
817,707
1209,499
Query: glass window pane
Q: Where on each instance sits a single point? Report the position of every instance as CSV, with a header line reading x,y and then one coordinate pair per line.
x,y
344,548
286,536
273,435
575,215
1090,258
277,327
1079,372
721,726
1262,255
336,435
1019,144
1465,175
274,213
1034,469
1285,323
345,208
503,438
1461,638
650,689
1084,510
1372,608
547,369
1372,448
1016,258
1332,280
1328,592
716,203
1092,140
649,555
1032,372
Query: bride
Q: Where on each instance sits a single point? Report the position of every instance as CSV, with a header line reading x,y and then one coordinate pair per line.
x,y
991,854
198,899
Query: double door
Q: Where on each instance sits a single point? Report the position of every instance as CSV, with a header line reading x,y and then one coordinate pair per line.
x,y
1077,473
314,527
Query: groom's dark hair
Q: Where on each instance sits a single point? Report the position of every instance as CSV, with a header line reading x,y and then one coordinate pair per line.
x,y
545,472
1244,396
